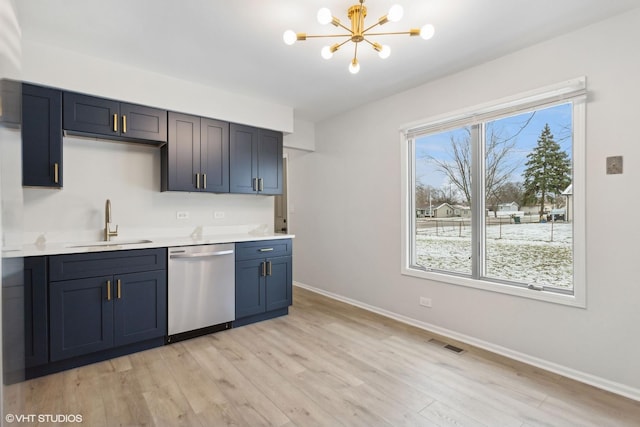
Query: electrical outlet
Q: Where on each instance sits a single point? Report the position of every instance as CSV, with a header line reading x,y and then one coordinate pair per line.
x,y
182,215
218,215
425,302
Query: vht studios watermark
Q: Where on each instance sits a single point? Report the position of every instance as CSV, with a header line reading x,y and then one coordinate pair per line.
x,y
43,418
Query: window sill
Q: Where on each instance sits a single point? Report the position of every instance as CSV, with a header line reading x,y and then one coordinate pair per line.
x,y
577,300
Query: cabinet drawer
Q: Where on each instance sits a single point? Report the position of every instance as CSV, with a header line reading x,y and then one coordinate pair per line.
x,y
76,266
263,249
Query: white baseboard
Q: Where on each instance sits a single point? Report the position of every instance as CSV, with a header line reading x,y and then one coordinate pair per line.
x,y
602,383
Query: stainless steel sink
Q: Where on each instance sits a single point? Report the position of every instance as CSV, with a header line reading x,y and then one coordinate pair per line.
x,y
110,243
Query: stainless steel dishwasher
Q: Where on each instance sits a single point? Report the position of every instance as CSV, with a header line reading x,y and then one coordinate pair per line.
x,y
201,294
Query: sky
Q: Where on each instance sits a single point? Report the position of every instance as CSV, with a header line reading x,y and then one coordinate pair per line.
x,y
438,146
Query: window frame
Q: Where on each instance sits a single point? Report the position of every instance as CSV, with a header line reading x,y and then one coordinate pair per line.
x,y
573,91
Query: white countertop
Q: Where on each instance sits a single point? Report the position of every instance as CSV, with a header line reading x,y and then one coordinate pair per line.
x,y
116,244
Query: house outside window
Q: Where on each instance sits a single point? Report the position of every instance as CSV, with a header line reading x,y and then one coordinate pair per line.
x,y
493,196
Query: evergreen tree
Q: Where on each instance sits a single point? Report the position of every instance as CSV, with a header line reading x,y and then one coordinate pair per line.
x,y
548,170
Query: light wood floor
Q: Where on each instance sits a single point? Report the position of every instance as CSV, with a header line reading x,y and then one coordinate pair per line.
x,y
326,364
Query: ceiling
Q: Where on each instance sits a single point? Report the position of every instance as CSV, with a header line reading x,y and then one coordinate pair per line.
x,y
237,45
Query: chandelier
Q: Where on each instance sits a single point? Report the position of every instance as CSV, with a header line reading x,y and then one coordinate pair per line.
x,y
358,32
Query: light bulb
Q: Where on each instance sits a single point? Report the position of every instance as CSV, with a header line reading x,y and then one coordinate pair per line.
x,y
324,16
384,52
395,13
289,37
354,67
427,31
326,52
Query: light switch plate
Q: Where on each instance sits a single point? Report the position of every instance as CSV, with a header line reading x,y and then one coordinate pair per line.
x,y
614,165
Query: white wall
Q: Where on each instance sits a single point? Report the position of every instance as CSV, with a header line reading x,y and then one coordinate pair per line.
x,y
303,136
128,175
64,69
347,211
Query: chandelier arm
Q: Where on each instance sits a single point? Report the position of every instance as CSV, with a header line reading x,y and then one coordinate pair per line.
x,y
341,25
328,35
390,34
369,41
372,26
343,43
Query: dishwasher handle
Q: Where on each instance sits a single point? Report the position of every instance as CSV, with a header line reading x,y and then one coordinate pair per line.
x,y
201,254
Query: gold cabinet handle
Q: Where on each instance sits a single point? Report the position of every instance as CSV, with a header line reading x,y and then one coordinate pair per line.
x,y
204,181
260,184
108,290
268,268
115,122
56,173
124,124
198,180
264,268
119,288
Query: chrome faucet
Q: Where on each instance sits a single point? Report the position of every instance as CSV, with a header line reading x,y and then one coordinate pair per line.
x,y
108,234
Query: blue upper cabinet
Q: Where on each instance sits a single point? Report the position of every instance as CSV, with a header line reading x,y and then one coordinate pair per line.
x,y
214,155
106,118
255,160
196,157
41,136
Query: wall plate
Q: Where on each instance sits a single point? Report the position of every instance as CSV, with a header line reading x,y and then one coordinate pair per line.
x,y
614,165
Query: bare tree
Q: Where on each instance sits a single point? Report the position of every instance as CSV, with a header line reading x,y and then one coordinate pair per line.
x,y
498,168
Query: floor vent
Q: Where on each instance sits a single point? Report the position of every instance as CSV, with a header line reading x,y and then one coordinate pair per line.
x,y
449,347
453,348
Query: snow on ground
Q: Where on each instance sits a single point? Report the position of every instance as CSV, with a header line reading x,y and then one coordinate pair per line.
x,y
519,252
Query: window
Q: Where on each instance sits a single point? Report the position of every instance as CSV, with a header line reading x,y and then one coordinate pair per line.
x,y
494,196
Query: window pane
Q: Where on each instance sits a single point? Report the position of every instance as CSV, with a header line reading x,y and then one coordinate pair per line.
x,y
528,186
443,201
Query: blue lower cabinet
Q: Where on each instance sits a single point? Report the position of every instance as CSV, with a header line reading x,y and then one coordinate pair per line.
x,y
263,282
278,283
81,316
36,314
96,316
250,288
25,317
140,303
98,313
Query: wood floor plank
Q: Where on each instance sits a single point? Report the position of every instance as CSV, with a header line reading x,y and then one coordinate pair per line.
x,y
325,364
267,376
257,409
445,416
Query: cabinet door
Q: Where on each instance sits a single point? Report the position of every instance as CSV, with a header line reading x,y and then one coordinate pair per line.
x,y
214,155
243,159
140,122
181,155
270,162
140,306
13,315
91,115
41,136
81,316
249,288
278,283
36,317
